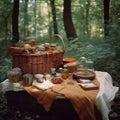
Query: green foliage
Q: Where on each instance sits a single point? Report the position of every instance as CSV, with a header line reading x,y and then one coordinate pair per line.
x,y
5,60
3,104
5,66
114,116
5,18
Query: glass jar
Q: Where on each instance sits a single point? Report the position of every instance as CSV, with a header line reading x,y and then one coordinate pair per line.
x,y
14,75
64,73
82,63
90,65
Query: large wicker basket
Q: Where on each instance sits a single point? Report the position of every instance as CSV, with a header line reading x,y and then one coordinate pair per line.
x,y
39,63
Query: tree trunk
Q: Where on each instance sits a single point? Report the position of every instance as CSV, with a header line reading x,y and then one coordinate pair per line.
x,y
87,18
15,14
106,17
26,32
34,9
52,2
49,19
68,23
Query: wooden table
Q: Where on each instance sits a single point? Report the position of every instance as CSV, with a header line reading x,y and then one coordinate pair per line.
x,y
78,97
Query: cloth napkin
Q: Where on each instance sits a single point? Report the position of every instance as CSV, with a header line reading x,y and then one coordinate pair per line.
x,y
43,86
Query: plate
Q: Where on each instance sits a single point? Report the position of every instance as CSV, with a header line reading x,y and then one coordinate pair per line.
x,y
56,80
89,86
84,74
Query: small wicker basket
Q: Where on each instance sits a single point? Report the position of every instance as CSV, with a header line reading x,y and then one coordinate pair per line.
x,y
39,63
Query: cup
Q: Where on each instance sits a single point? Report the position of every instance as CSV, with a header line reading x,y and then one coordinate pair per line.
x,y
27,79
53,71
48,76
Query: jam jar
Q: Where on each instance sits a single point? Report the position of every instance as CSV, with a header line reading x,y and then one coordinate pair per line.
x,y
64,73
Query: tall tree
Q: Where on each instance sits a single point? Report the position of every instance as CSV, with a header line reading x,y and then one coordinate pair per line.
x,y
67,18
34,9
52,2
87,18
106,4
26,19
15,14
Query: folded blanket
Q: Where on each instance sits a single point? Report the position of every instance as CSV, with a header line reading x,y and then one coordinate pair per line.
x,y
82,101
45,98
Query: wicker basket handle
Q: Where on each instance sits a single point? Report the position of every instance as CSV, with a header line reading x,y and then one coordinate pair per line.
x,y
62,41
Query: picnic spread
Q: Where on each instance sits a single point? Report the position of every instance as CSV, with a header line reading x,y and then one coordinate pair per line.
x,y
42,71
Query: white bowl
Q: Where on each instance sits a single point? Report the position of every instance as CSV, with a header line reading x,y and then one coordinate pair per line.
x,y
39,77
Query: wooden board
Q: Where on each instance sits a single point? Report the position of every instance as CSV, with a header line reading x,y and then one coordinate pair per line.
x,y
84,74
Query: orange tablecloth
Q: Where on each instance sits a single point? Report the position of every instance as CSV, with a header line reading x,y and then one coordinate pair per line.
x,y
82,100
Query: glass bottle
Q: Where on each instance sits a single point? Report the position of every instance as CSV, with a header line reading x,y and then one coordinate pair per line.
x,y
58,74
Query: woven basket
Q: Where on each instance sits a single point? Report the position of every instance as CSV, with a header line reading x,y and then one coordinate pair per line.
x,y
39,63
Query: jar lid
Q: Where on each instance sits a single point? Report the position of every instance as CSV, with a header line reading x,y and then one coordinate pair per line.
x,y
68,60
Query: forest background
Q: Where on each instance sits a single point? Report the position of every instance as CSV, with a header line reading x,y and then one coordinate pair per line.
x,y
90,28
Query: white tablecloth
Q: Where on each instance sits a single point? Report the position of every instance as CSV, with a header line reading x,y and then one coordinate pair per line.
x,y
104,98
106,93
